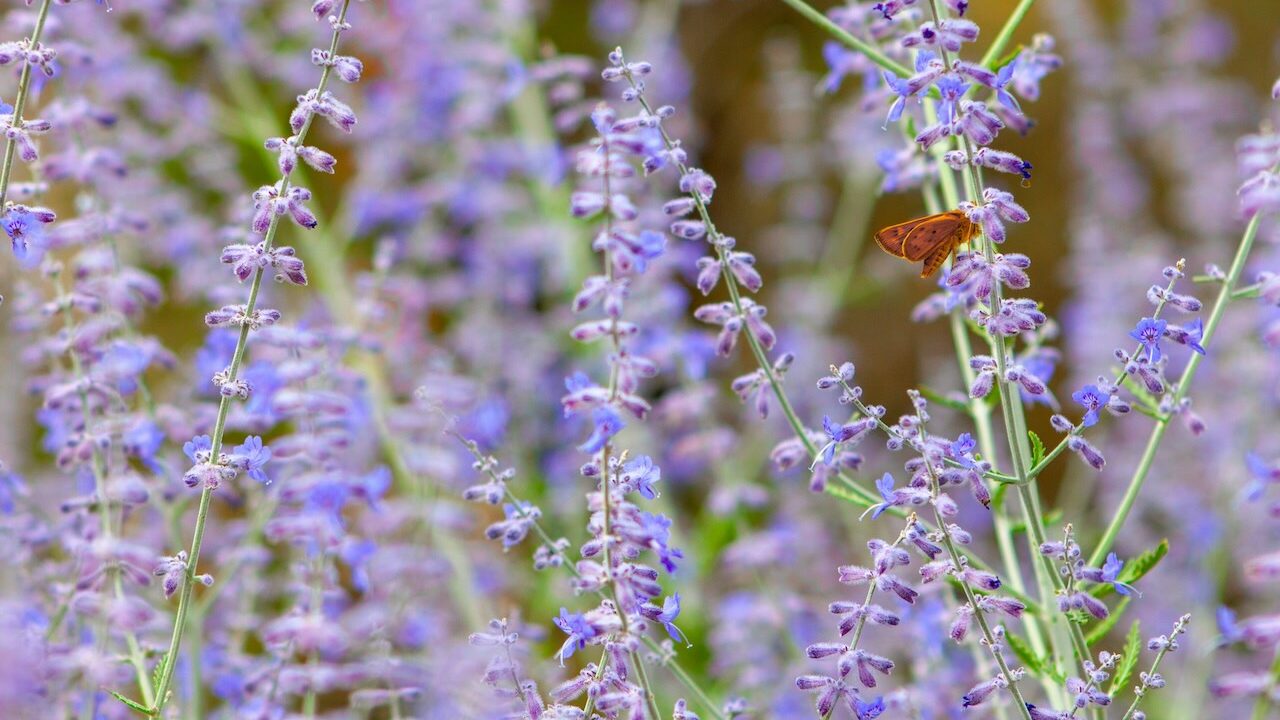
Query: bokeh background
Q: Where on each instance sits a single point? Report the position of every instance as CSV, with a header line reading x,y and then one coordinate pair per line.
x,y
446,248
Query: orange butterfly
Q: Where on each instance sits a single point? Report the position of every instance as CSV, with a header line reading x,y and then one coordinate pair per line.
x,y
931,238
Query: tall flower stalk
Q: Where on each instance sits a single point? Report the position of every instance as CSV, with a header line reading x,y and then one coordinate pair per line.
x,y
273,204
32,54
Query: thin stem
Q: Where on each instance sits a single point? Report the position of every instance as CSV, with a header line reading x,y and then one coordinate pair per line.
x,y
866,600
224,407
873,53
1006,33
1169,646
981,414
20,102
98,464
670,663
958,564
1184,384
1016,431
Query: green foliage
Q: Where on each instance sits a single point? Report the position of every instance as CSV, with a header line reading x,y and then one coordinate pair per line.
x,y
1129,661
1136,568
1037,448
1039,666
133,704
1101,629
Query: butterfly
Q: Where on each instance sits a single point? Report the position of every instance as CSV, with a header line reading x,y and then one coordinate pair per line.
x,y
931,238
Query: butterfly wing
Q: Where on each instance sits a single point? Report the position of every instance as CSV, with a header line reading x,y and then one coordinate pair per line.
x,y
933,232
891,239
943,251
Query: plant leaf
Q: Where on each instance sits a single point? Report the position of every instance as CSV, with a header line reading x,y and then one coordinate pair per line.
x,y
1129,661
1026,654
1037,448
158,673
136,706
938,398
1104,627
1134,569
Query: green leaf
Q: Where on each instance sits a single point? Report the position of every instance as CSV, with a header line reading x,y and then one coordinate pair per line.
x,y
137,706
1037,448
1008,57
1147,404
847,496
1128,661
937,398
1040,667
1104,627
1079,617
1134,569
158,674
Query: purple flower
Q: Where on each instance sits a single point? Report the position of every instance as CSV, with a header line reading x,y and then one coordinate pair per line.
x,y
642,474
1261,475
1149,332
901,90
1111,572
251,456
1092,398
837,434
27,237
197,448
667,616
580,632
1191,335
606,423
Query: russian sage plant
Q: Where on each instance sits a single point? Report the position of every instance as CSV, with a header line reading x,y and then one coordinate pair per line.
x,y
580,393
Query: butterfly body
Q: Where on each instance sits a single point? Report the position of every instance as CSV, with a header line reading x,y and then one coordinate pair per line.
x,y
931,239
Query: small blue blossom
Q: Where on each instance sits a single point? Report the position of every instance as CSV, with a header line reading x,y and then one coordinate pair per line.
x,y
1149,332
252,456
836,434
27,237
1003,78
196,445
578,628
841,61
952,89
142,441
869,709
1093,399
901,90
11,488
356,554
643,474
1111,572
961,450
885,486
1231,631
670,611
1261,474
605,424
656,529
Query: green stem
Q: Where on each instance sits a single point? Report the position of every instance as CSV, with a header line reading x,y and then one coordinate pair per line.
x,y
681,674
872,52
1047,579
1184,384
959,565
20,102
98,465
1006,33
224,408
981,414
